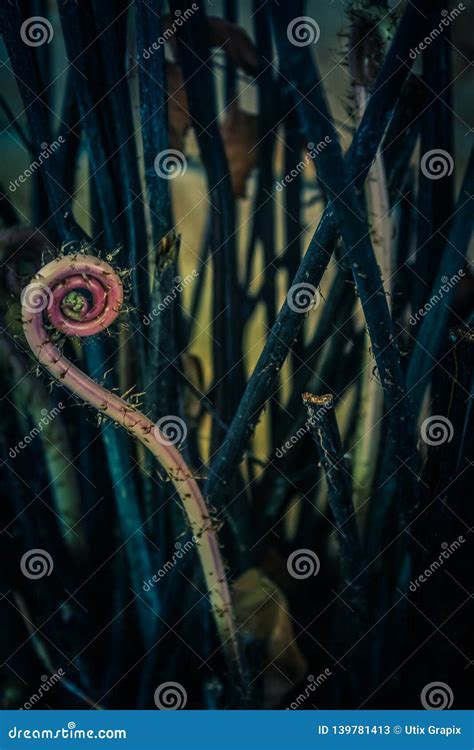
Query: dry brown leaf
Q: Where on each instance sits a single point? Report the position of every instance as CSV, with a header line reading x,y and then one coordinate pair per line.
x,y
233,39
179,121
239,133
235,42
261,609
166,251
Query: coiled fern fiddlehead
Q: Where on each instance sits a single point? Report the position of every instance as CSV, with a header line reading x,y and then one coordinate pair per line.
x,y
81,295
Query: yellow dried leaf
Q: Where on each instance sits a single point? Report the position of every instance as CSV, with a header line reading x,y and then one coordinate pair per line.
x,y
262,611
239,133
